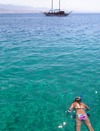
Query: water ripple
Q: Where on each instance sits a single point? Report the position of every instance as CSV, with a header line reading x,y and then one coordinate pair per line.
x,y
45,62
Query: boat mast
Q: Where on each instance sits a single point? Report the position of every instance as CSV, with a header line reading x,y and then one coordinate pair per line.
x,y
59,5
52,6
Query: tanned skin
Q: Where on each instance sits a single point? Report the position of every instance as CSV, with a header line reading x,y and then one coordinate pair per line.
x,y
79,107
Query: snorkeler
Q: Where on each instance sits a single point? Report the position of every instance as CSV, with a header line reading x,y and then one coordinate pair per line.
x,y
80,114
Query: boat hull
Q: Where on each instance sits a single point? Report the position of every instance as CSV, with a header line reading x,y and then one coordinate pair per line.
x,y
59,15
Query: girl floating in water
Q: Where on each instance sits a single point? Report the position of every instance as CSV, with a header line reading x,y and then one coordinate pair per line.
x,y
80,114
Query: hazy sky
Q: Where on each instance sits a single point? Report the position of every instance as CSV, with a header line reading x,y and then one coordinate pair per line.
x,y
75,5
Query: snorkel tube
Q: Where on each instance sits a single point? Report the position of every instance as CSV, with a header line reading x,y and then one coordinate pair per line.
x,y
81,98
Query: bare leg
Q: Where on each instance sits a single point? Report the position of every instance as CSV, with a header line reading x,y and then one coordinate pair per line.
x,y
77,124
88,124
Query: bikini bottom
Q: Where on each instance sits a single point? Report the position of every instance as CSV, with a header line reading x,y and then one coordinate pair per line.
x,y
82,116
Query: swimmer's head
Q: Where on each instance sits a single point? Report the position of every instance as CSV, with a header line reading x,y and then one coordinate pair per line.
x,y
77,99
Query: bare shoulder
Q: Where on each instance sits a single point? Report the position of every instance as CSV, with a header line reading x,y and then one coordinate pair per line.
x,y
75,103
84,104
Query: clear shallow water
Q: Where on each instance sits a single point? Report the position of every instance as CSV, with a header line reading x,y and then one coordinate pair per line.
x,y
45,62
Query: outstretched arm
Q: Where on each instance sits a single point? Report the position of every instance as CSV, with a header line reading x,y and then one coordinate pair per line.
x,y
68,112
87,108
71,107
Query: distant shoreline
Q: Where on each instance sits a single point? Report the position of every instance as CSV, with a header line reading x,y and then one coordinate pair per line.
x,y
21,9
28,9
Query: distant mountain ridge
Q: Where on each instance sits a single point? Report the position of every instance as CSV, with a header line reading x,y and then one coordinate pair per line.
x,y
20,9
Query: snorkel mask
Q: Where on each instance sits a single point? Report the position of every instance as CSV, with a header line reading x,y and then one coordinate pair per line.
x,y
78,99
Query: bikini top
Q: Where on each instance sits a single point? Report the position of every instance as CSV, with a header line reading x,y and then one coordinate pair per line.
x,y
80,108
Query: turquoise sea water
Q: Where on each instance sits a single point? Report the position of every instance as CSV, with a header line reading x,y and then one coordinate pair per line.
x,y
45,62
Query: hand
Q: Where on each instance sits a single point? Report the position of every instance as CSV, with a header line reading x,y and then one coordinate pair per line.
x,y
67,114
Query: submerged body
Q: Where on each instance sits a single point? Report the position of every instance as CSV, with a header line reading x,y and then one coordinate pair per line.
x,y
80,115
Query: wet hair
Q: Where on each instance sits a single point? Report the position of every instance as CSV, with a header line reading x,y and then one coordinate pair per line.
x,y
78,100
